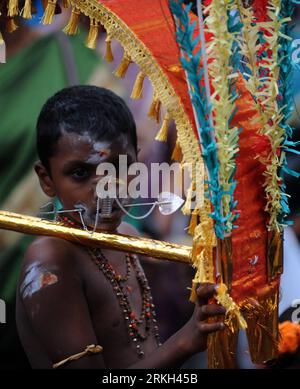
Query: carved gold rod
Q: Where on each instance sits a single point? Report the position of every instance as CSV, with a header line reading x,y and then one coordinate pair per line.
x,y
149,247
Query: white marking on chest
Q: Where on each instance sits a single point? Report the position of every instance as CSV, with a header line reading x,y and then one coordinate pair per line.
x,y
36,278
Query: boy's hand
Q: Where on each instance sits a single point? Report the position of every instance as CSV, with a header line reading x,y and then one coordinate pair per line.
x,y
198,326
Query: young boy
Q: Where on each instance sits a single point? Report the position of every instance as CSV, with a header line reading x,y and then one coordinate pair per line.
x,y
70,296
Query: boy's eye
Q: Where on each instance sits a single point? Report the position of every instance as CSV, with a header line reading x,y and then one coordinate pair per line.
x,y
80,173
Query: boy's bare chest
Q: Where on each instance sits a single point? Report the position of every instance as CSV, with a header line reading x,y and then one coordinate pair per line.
x,y
121,311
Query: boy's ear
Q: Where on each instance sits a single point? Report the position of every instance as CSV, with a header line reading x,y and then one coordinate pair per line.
x,y
45,180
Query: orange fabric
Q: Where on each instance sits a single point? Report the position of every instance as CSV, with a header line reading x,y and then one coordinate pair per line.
x,y
249,241
153,24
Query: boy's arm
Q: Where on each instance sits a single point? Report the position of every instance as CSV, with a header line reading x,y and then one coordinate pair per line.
x,y
191,338
53,298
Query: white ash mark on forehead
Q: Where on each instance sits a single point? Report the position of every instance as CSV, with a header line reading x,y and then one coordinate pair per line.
x,y
102,146
101,151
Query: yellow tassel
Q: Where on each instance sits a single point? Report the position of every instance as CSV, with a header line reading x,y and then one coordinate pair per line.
x,y
122,68
108,54
186,209
72,26
193,295
177,153
26,11
91,39
193,223
154,110
137,91
232,309
13,8
11,26
66,3
1,39
49,12
163,132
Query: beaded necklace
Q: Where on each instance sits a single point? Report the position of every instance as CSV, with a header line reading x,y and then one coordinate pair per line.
x,y
147,318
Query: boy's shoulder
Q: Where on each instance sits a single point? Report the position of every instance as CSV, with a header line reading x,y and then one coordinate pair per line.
x,y
50,252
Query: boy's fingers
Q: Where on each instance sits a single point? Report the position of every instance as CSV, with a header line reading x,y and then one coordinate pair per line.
x,y
211,310
205,292
207,328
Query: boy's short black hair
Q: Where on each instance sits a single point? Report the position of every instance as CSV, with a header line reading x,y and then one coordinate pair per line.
x,y
82,109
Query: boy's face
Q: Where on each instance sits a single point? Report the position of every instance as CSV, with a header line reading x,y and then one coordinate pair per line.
x,y
73,175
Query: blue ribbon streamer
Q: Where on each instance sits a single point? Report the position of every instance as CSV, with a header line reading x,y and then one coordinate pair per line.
x,y
191,61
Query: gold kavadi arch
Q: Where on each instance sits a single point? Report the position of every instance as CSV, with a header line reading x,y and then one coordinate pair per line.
x,y
230,109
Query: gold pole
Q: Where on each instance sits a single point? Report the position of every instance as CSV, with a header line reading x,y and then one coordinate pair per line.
x,y
149,247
